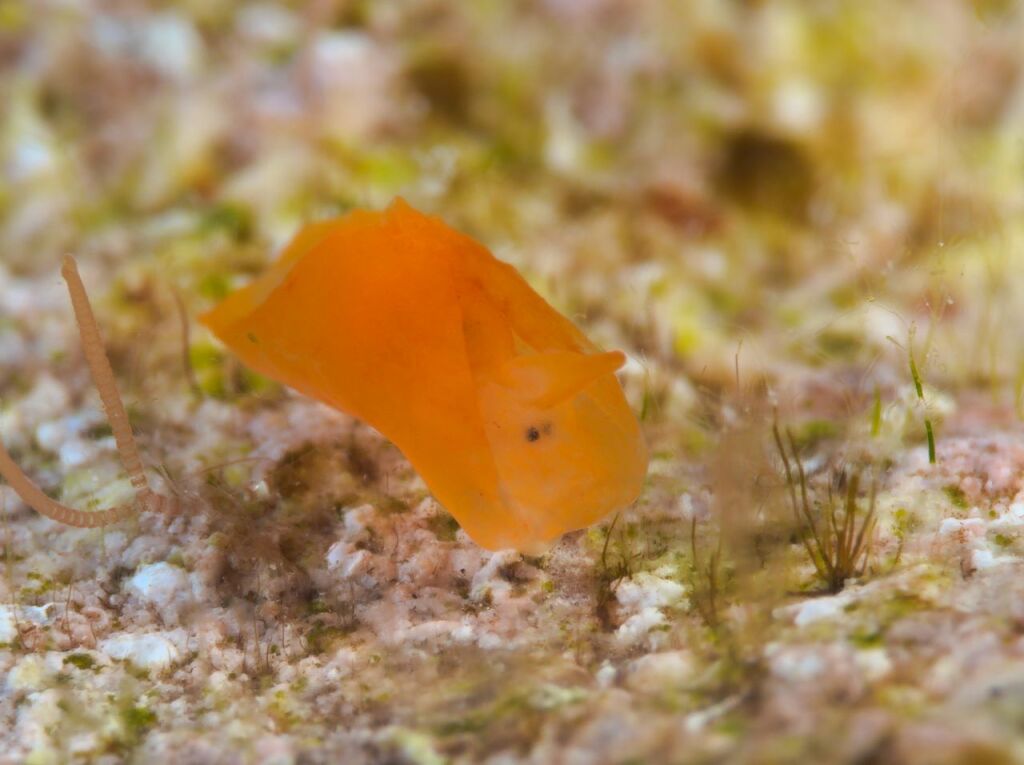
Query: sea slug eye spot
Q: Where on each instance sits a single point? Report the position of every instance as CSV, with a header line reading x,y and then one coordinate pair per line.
x,y
533,433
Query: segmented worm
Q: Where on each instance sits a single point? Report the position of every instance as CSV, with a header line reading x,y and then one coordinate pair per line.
x,y
103,378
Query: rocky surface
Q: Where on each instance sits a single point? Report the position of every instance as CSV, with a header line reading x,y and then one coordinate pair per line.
x,y
809,217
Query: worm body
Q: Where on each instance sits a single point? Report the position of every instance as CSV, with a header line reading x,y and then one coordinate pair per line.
x,y
106,385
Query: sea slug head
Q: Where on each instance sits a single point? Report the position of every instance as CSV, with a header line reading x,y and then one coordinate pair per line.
x,y
567,447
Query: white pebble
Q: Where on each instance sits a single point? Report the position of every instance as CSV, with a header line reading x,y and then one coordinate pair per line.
x,y
1012,516
172,46
487,579
974,527
31,157
820,608
489,641
150,651
165,587
639,625
32,673
985,559
874,663
11,616
348,562
658,670
358,520
269,24
76,452
645,590
795,664
606,675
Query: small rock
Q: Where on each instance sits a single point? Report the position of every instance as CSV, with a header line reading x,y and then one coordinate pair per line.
x,y
163,586
637,627
348,562
488,578
795,663
606,675
985,559
971,527
358,521
490,641
268,24
32,673
11,616
658,670
818,609
874,663
1013,516
645,590
150,651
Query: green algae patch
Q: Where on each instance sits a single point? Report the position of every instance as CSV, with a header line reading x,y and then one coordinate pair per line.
x,y
416,747
443,526
322,638
137,720
956,496
80,661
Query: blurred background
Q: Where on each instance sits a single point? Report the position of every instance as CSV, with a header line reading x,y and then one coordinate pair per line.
x,y
797,182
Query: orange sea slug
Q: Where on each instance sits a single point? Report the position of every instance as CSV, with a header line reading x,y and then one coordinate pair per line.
x,y
513,418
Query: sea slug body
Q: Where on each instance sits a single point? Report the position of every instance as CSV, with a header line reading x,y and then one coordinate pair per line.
x,y
513,418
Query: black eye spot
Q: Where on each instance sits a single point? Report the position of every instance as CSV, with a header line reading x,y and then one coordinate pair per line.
x,y
534,432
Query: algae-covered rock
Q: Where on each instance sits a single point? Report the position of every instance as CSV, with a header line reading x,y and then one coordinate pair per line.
x,y
805,216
